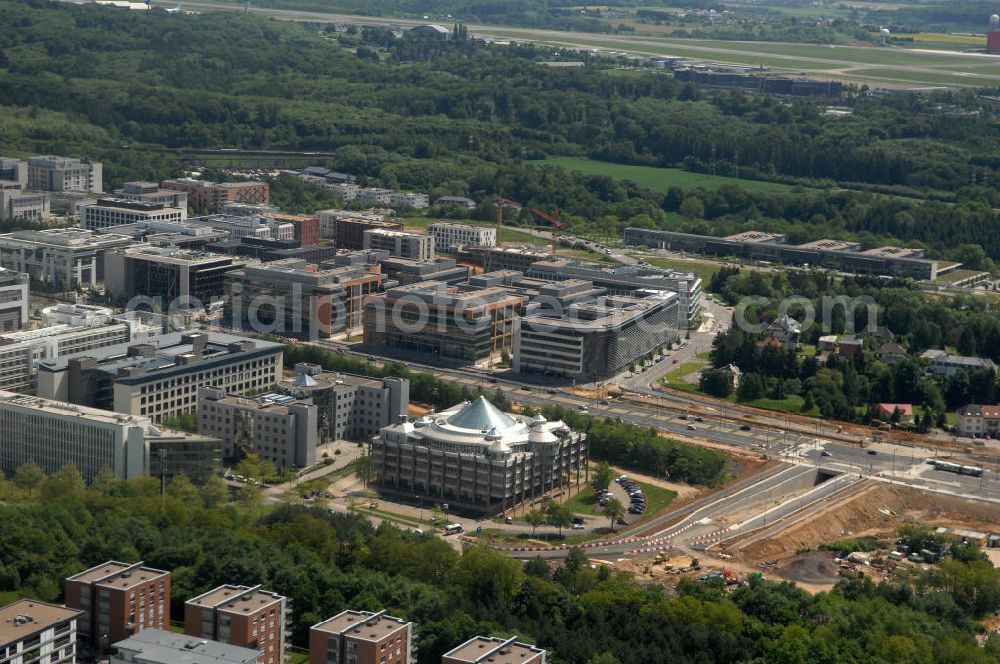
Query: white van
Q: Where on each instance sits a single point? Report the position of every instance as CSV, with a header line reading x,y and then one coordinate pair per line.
x,y
453,529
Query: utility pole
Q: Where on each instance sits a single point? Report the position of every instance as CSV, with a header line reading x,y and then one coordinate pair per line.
x,y
163,472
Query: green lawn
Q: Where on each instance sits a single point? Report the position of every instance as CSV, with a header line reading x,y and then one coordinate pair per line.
x,y
660,179
584,502
704,269
792,404
675,378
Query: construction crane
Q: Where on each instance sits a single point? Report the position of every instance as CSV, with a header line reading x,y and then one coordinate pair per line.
x,y
501,203
555,221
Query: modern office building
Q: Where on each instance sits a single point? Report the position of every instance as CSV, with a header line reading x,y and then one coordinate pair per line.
x,y
415,246
167,278
409,271
195,456
306,227
347,229
349,407
179,234
110,212
476,457
267,250
16,204
53,433
361,637
278,427
59,258
33,632
978,421
451,235
495,650
595,339
771,247
64,174
14,171
512,258
14,300
119,600
630,280
240,616
159,379
431,317
238,227
150,192
292,298
157,646
209,197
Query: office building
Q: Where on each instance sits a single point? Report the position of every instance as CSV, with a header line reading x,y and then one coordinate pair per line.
x,y
978,421
349,407
195,456
160,379
278,427
267,250
150,192
36,632
375,196
405,271
14,300
433,318
630,280
293,298
494,650
451,235
119,600
415,246
512,258
14,171
361,637
240,616
59,258
54,433
476,457
943,363
167,278
209,197
63,174
110,212
157,646
305,227
245,226
179,234
347,229
591,339
16,204
770,247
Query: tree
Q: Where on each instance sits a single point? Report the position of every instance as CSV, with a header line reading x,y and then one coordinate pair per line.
x,y
603,658
104,481
751,387
183,489
692,208
559,516
602,477
716,382
29,477
364,469
215,492
64,484
255,467
615,511
535,518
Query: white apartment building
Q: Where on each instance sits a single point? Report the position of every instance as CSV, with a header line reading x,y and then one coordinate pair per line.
x,y
62,258
409,199
415,246
34,632
50,173
111,212
346,190
377,196
450,235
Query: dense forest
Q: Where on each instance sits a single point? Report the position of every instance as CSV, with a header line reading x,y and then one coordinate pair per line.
x,y
465,118
54,528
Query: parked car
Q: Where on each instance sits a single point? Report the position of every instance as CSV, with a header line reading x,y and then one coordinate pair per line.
x,y
578,526
690,427
699,418
745,427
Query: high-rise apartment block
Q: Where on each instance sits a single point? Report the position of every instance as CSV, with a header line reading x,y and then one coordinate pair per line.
x,y
361,637
49,173
494,650
240,616
118,600
33,632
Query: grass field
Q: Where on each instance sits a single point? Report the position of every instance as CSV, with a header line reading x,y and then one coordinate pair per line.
x,y
675,378
705,270
660,179
584,502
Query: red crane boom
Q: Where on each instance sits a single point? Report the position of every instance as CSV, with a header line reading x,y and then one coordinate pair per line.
x,y
555,221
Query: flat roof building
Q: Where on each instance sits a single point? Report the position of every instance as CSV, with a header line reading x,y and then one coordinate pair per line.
x,y
119,600
158,646
110,212
409,271
349,407
476,457
167,278
150,192
243,616
512,258
494,650
415,246
14,300
347,229
209,197
16,204
14,171
238,227
433,318
33,631
159,379
361,637
278,427
49,173
59,258
447,235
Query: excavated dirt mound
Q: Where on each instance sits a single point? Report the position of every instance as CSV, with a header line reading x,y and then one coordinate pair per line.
x,y
810,568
